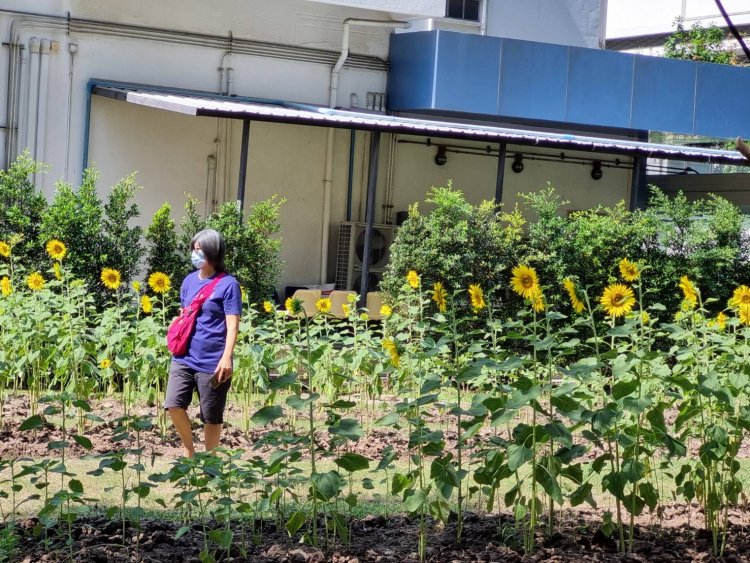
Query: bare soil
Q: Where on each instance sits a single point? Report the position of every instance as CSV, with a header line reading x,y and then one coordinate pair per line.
x,y
674,534
377,539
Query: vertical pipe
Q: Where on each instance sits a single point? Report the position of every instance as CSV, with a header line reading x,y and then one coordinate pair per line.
x,y
41,132
500,179
350,180
372,184
243,165
33,103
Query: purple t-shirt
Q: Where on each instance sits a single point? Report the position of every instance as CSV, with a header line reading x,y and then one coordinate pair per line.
x,y
210,336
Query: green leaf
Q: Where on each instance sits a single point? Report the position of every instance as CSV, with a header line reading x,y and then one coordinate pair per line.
x,y
31,423
624,388
181,532
518,455
300,404
348,428
548,481
75,485
351,462
326,485
444,475
83,441
222,537
267,415
388,420
414,500
282,381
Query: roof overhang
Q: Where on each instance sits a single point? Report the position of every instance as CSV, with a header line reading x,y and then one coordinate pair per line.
x,y
213,105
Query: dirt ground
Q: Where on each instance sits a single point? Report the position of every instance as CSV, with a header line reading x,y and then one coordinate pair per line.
x,y
377,539
674,536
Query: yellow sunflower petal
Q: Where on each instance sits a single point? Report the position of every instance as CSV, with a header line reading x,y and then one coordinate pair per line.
x,y
524,281
617,300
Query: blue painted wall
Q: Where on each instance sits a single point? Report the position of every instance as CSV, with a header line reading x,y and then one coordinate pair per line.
x,y
459,73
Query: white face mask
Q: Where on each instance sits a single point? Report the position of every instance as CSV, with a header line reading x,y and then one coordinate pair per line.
x,y
198,259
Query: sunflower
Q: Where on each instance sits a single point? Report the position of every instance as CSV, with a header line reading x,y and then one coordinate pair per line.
x,y
390,346
537,301
617,300
105,363
645,317
57,270
385,311
364,317
111,278
56,249
689,291
293,305
741,296
159,282
323,305
268,307
745,315
4,249
440,296
412,279
346,309
524,281
570,287
146,305
477,297
629,270
35,281
136,285
721,321
5,286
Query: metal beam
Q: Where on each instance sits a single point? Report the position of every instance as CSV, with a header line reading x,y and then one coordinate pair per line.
x,y
372,184
500,179
243,164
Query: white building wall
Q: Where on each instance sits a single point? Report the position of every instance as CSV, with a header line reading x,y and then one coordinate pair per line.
x,y
174,154
632,18
580,23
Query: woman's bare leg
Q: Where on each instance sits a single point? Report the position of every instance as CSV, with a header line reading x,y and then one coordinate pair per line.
x,y
212,434
184,429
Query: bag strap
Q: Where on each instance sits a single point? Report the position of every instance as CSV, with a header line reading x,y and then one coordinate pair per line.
x,y
205,293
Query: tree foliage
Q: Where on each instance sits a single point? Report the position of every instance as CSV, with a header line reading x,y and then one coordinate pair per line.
x,y
698,43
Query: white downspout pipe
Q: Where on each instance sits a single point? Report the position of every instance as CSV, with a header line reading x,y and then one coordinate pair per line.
x,y
41,125
332,98
32,109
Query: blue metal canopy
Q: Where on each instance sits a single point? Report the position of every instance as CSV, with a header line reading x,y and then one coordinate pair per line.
x,y
527,82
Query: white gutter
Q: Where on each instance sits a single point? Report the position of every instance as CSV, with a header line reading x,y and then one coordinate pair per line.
x,y
332,98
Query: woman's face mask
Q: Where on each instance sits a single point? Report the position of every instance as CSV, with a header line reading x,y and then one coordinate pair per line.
x,y
198,259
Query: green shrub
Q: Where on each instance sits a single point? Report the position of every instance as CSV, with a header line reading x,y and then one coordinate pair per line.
x,y
21,209
97,235
163,253
457,243
252,246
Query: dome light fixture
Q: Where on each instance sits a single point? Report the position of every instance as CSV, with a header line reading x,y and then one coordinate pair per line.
x,y
442,155
596,170
517,165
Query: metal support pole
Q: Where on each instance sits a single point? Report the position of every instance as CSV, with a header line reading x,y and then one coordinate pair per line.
x,y
243,165
638,195
500,173
372,184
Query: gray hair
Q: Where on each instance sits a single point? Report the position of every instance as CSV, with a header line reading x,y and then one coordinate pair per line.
x,y
213,247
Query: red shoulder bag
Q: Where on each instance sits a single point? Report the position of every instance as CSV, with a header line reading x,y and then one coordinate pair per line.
x,y
181,327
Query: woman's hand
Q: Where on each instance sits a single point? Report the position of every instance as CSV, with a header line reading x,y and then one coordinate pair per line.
x,y
224,369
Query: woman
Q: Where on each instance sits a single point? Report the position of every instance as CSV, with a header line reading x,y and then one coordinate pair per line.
x,y
209,353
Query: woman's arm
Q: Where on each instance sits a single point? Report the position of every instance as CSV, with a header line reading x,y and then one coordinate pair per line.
x,y
224,369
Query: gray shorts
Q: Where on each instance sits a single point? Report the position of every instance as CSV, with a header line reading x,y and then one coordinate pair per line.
x,y
184,380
